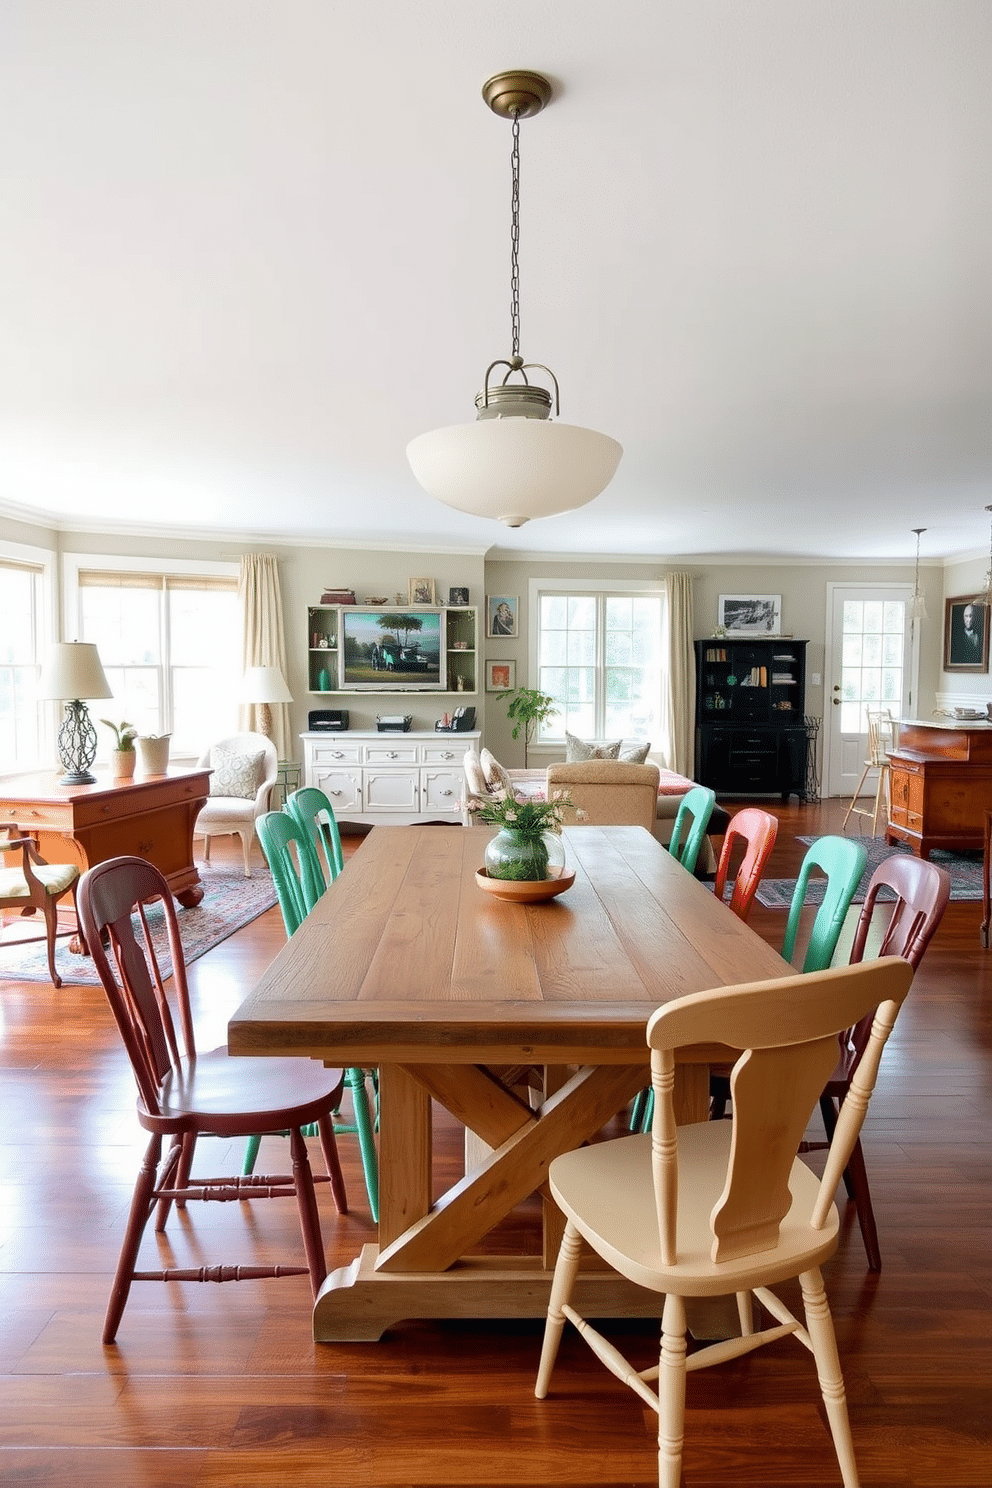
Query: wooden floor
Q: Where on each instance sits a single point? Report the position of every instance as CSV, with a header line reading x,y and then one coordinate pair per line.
x,y
222,1387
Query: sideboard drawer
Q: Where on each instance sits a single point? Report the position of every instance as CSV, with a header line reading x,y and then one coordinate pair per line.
x,y
392,752
336,752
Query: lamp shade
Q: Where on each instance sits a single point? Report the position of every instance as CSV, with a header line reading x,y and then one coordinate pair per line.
x,y
265,684
514,469
73,670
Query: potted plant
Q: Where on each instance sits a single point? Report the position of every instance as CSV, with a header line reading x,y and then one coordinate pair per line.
x,y
526,708
528,844
122,759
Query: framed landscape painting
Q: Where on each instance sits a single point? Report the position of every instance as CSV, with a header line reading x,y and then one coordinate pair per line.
x,y
751,614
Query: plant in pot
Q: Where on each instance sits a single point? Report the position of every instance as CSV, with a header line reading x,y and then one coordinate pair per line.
x,y
526,707
528,845
122,759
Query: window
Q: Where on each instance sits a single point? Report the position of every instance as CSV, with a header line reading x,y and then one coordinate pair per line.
x,y
599,655
24,588
170,643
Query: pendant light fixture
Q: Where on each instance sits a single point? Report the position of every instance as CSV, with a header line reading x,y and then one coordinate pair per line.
x,y
917,607
514,463
984,597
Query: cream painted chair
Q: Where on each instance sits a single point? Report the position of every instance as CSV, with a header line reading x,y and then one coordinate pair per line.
x,y
244,768
608,793
881,731
723,1207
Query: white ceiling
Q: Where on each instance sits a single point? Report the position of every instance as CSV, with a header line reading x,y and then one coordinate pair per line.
x,y
249,248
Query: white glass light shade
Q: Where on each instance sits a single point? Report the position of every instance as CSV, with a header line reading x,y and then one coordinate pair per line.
x,y
265,684
73,670
514,469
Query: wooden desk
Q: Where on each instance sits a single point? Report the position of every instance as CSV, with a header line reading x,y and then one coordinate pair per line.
x,y
152,818
940,784
406,964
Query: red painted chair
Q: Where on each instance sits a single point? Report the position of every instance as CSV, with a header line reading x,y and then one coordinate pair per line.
x,y
921,892
183,1095
757,830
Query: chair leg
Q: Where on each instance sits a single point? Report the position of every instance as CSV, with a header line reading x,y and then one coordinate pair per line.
x,y
206,847
355,1080
306,1201
820,1328
246,841
142,1203
566,1270
251,1156
51,925
329,1147
671,1393
881,793
174,1174
857,1177
854,798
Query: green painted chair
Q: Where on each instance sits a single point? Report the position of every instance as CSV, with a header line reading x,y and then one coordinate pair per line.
x,y
693,818
315,814
843,861
299,883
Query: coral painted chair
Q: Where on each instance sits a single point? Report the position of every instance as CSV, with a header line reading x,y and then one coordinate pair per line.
x,y
183,1094
720,1208
757,831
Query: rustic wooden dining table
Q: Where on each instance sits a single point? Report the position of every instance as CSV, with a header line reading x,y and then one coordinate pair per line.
x,y
406,965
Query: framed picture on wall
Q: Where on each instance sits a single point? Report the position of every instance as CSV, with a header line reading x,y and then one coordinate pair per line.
x,y
501,615
751,614
966,635
422,592
501,676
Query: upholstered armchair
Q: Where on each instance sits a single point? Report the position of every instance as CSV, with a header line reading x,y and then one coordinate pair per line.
x,y
244,768
608,793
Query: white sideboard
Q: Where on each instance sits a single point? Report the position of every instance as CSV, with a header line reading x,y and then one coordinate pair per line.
x,y
393,779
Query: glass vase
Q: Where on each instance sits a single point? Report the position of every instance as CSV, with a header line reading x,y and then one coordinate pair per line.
x,y
524,857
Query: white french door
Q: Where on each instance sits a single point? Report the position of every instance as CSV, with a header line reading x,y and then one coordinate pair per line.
x,y
870,661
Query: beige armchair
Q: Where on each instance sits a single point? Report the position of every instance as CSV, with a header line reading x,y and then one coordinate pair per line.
x,y
609,793
244,768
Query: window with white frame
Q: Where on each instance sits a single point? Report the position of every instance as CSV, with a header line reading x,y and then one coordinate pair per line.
x,y
170,643
600,653
25,598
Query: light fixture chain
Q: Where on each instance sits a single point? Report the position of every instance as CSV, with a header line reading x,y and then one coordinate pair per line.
x,y
515,237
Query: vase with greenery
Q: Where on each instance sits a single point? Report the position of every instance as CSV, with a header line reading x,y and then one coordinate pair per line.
x,y
122,759
526,707
528,845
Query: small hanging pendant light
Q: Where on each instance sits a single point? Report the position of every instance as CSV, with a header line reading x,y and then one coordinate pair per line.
x,y
514,463
917,608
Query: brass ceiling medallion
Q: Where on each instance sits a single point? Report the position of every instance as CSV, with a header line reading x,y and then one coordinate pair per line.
x,y
522,93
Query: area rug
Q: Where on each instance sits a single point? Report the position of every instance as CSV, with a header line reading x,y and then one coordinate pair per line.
x,y
965,870
229,901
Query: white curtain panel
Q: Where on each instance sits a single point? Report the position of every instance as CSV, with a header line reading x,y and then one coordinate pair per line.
x,y
264,640
680,689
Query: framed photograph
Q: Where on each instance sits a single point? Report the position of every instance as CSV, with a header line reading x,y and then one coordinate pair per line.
x,y
501,615
966,635
751,614
458,596
422,592
501,676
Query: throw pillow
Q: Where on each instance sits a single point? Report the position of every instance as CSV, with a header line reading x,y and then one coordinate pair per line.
x,y
474,776
635,754
235,774
577,750
496,777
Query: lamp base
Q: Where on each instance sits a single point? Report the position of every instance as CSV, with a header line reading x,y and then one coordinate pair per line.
x,y
78,777
77,745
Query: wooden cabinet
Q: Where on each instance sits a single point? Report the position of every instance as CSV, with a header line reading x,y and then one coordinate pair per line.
x,y
940,784
750,731
392,778
395,657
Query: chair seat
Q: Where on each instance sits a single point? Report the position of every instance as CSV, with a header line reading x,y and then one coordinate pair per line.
x,y
215,1084
607,1191
56,878
226,809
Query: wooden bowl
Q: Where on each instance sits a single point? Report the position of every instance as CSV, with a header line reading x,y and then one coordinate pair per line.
x,y
524,891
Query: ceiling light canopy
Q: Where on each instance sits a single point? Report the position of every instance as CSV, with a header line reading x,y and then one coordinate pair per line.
x,y
514,463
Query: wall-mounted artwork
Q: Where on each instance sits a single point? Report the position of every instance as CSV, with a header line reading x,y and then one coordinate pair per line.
x,y
966,635
501,615
751,614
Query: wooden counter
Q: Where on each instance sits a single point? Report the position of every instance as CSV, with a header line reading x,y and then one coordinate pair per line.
x,y
940,784
152,818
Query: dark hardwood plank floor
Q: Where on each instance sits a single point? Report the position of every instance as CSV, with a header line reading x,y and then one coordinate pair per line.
x,y
222,1387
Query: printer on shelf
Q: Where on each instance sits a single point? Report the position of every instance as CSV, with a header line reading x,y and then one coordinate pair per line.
x,y
327,720
394,723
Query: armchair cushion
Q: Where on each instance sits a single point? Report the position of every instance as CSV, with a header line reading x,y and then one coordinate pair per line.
x,y
234,773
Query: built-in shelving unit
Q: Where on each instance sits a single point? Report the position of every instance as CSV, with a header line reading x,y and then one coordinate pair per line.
x,y
750,701
397,659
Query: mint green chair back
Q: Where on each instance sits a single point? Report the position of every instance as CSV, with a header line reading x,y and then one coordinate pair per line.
x,y
315,814
299,882
843,861
693,818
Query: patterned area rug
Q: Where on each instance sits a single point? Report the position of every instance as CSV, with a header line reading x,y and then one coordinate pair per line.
x,y
965,870
229,901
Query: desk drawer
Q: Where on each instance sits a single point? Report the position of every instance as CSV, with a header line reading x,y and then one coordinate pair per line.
x,y
36,818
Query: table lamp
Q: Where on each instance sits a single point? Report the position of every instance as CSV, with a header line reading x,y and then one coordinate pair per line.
x,y
72,672
265,685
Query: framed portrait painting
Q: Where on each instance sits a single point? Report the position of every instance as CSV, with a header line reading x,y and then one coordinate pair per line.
x,y
501,615
751,614
966,635
501,676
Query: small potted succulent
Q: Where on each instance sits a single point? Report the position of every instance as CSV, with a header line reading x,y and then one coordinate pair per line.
x,y
122,759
